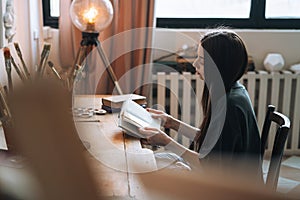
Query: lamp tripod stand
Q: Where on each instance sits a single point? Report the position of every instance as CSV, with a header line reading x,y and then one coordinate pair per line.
x,y
89,41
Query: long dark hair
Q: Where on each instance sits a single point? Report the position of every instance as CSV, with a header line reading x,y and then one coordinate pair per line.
x,y
228,52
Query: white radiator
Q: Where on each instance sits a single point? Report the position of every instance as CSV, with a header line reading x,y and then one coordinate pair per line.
x,y
178,93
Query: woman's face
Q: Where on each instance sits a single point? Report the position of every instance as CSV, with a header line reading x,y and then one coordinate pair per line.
x,y
199,63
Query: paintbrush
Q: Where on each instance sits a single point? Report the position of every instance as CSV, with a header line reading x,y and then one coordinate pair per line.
x,y
47,52
44,57
18,70
18,50
5,90
79,58
51,65
77,70
75,76
5,115
7,58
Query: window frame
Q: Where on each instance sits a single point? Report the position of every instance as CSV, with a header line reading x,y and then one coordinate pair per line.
x,y
256,20
47,18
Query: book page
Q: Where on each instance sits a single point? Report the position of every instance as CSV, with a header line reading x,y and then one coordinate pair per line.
x,y
133,116
135,120
140,115
130,129
138,111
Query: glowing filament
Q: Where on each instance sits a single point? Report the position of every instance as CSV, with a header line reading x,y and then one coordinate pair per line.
x,y
90,15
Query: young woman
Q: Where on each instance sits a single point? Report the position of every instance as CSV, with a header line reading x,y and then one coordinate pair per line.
x,y
229,129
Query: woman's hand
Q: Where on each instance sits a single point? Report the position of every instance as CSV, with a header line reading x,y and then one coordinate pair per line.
x,y
164,117
155,137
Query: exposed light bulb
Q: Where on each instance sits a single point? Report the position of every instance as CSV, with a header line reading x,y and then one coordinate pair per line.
x,y
91,15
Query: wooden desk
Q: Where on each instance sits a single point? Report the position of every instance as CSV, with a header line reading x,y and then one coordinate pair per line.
x,y
115,159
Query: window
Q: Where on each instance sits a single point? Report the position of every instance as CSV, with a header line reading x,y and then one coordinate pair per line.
x,y
279,14
54,8
203,9
282,9
51,13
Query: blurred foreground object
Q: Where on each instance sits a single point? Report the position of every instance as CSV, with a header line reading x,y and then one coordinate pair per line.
x,y
45,135
208,184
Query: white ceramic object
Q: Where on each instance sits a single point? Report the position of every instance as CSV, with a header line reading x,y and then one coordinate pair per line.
x,y
274,62
295,68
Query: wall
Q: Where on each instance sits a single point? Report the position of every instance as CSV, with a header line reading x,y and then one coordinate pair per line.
x,y
259,42
30,35
52,36
2,10
29,29
2,70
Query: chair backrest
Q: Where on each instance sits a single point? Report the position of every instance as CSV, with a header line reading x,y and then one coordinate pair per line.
x,y
280,138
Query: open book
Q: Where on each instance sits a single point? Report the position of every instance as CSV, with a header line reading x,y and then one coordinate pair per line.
x,y
133,116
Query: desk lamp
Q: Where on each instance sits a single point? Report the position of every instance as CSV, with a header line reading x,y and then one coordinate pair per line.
x,y
91,17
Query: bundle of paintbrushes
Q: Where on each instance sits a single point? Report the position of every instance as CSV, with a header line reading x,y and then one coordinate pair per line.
x,y
22,69
6,119
8,62
5,116
24,75
19,67
42,68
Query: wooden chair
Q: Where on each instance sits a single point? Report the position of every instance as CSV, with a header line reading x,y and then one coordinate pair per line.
x,y
280,138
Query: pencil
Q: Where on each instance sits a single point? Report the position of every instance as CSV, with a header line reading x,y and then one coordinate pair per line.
x,y
96,120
